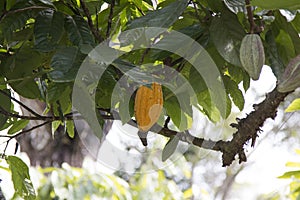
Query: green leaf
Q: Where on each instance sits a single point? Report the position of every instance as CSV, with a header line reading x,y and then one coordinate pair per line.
x,y
65,64
21,178
18,66
290,174
294,106
196,81
296,22
54,126
227,34
17,126
170,148
273,55
55,91
21,71
235,73
48,30
207,106
105,89
70,128
276,4
236,5
178,117
19,18
79,31
6,105
246,81
62,7
126,105
164,17
235,93
27,88
286,37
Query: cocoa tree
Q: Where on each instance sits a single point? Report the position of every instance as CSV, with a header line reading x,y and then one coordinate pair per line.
x,y
44,44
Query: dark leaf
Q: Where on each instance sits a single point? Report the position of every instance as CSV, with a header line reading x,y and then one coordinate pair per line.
x,y
48,30
65,64
164,17
236,5
234,92
273,56
227,34
6,105
79,31
276,4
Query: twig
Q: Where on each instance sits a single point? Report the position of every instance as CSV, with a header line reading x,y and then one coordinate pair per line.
x,y
21,104
20,133
110,17
144,55
253,27
9,114
90,22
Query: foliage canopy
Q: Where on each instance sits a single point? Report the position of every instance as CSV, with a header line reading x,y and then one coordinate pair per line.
x,y
44,43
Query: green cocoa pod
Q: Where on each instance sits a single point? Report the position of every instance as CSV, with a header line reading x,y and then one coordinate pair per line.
x,y
290,79
252,55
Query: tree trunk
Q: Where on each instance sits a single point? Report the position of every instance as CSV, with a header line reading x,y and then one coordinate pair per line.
x,y
44,149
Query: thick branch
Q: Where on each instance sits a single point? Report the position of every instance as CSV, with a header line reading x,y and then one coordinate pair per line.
x,y
247,128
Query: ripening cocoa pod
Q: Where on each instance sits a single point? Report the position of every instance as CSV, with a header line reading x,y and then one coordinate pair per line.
x,y
252,55
290,79
148,106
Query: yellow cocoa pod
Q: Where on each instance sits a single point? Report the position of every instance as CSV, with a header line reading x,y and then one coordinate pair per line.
x,y
148,106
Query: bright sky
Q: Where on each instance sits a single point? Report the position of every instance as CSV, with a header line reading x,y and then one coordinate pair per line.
x,y
267,161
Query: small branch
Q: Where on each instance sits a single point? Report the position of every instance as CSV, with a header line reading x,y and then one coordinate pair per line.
x,y
144,55
21,104
9,114
21,133
110,18
250,16
253,27
90,22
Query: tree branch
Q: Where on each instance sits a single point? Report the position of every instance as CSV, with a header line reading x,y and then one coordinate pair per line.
x,y
247,128
253,27
21,104
21,133
110,17
90,22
